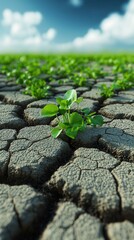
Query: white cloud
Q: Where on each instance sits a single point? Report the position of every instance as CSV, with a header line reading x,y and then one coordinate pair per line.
x,y
37,40
20,31
116,30
21,25
50,34
76,3
28,18
23,31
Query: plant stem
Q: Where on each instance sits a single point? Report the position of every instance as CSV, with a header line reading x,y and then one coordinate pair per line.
x,y
68,115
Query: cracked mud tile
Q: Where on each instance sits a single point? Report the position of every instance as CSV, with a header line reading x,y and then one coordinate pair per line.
x,y
119,139
86,103
34,133
124,175
86,182
89,137
21,209
128,92
10,88
99,159
62,89
72,223
6,136
35,155
17,98
3,145
4,159
33,117
40,103
126,125
120,231
120,98
94,93
82,89
118,111
9,117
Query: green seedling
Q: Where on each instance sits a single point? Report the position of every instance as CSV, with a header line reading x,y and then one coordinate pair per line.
x,y
71,123
37,88
79,79
123,83
126,82
106,91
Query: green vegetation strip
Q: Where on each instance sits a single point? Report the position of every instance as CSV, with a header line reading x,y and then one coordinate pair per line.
x,y
36,72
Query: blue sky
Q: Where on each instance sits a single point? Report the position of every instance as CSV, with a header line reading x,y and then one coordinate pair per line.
x,y
66,25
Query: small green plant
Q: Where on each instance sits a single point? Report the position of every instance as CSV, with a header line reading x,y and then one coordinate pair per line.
x,y
71,122
106,91
37,88
126,82
79,79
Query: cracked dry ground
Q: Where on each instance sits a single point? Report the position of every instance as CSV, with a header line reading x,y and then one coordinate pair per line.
x,y
57,189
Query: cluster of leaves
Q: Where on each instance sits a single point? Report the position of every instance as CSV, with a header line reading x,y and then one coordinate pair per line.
x,y
71,122
122,83
37,88
79,79
107,91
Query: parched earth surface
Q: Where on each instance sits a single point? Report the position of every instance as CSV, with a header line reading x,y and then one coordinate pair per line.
x,y
61,189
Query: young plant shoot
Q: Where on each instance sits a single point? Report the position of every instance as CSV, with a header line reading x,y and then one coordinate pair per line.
x,y
70,123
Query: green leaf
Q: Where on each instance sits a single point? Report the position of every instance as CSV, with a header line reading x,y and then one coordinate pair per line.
x,y
62,111
59,100
49,110
97,120
86,111
76,118
71,95
71,133
63,125
55,132
79,100
63,104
